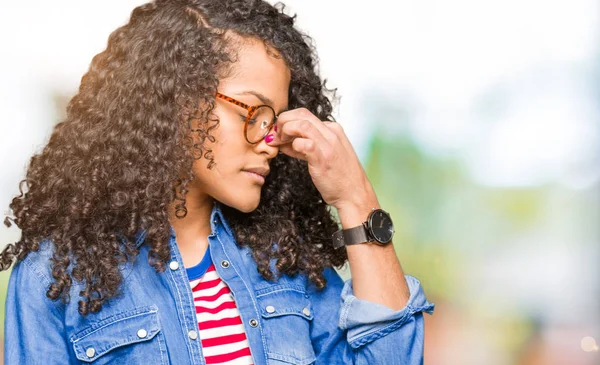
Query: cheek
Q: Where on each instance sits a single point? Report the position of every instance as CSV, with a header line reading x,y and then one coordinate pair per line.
x,y
227,156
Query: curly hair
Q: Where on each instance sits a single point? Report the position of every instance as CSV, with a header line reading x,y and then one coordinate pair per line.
x,y
125,151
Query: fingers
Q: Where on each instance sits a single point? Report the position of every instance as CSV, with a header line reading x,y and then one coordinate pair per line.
x,y
300,139
299,115
302,149
302,135
291,129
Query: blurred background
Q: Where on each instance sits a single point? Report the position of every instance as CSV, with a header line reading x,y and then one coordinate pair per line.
x,y
478,123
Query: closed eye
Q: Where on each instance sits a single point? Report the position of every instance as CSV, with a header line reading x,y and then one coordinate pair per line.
x,y
250,121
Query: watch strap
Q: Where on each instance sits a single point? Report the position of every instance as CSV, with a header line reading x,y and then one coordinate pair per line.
x,y
351,236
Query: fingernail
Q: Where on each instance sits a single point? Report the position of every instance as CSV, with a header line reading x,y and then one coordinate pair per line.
x,y
269,138
275,127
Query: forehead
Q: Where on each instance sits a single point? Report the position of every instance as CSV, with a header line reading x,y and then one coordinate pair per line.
x,y
259,68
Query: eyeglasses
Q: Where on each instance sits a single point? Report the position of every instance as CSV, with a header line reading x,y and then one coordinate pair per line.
x,y
258,122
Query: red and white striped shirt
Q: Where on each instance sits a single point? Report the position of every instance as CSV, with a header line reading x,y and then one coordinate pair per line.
x,y
221,328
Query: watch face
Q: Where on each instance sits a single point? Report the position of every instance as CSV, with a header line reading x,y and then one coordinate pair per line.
x,y
381,226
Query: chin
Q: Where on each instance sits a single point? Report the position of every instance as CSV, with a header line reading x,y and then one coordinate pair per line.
x,y
243,205
248,206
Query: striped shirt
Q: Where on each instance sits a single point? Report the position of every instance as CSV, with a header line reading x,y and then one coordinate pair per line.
x,y
221,329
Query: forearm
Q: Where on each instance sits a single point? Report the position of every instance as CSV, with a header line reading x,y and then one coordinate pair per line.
x,y
377,275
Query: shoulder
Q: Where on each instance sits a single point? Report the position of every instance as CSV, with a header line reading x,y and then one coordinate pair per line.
x,y
31,277
29,281
37,265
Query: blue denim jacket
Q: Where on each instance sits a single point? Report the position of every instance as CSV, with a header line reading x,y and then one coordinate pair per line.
x,y
154,320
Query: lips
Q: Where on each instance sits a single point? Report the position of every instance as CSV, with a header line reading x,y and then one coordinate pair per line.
x,y
262,171
255,177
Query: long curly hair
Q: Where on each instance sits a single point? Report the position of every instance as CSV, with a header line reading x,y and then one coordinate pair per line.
x,y
125,151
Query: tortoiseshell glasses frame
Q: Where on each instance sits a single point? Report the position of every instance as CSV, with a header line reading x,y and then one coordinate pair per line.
x,y
251,110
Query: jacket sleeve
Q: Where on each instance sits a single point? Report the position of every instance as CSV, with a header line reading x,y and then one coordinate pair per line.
x,y
34,326
348,330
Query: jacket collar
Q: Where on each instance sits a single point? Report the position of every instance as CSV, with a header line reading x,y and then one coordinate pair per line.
x,y
216,218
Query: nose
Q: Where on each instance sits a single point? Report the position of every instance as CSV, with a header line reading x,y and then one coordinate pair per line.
x,y
265,148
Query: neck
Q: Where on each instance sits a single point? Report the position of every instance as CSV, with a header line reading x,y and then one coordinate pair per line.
x,y
196,224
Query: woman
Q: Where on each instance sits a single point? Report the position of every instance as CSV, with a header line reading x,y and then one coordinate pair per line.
x,y
180,214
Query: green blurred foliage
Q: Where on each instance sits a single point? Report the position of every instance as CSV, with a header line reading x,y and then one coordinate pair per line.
x,y
4,275
446,223
440,214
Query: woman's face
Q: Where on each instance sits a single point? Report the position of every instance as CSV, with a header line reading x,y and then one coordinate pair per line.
x,y
257,78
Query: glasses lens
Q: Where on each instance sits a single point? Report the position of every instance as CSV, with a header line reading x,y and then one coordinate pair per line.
x,y
260,123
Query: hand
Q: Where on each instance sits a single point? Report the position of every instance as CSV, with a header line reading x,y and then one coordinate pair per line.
x,y
332,162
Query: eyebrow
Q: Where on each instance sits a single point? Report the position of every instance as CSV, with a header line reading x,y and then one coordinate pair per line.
x,y
262,98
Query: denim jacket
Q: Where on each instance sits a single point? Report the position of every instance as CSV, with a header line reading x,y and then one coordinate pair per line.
x,y
154,321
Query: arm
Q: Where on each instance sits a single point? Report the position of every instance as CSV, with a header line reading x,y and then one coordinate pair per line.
x,y
381,309
34,327
381,313
377,273
363,332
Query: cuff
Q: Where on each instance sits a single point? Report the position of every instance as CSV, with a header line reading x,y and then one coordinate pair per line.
x,y
367,321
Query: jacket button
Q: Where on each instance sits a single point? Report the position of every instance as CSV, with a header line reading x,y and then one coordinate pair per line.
x,y
306,311
90,352
270,309
193,335
253,322
174,265
225,264
142,333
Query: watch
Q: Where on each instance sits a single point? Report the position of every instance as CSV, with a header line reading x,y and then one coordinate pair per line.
x,y
378,228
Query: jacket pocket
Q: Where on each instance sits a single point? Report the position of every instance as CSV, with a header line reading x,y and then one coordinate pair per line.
x,y
130,337
287,315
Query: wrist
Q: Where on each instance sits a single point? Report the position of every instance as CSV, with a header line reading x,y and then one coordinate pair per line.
x,y
354,213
